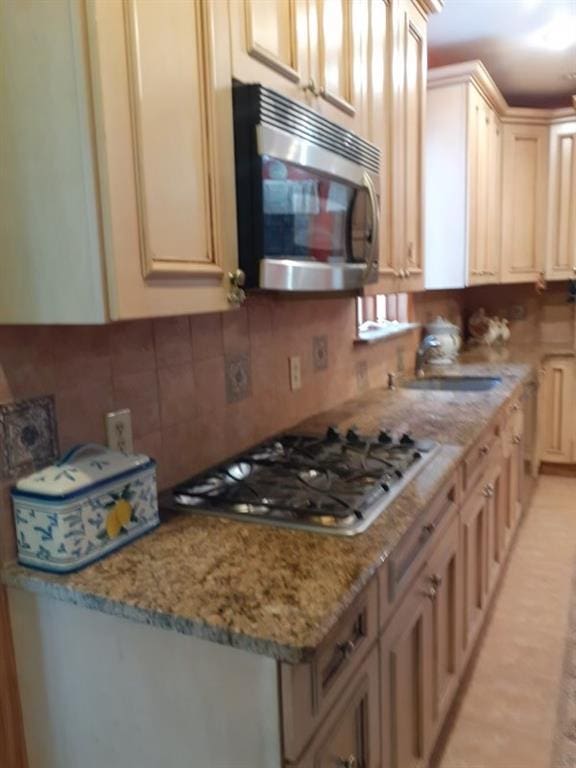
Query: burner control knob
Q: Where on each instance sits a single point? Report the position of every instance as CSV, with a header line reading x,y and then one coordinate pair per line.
x,y
384,437
352,436
332,434
406,439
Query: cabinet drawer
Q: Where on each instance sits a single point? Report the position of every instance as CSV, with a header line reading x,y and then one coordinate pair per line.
x,y
351,733
408,556
308,691
478,457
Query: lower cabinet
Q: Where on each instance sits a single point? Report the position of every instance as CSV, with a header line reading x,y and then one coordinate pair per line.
x,y
555,407
387,707
406,650
350,736
474,517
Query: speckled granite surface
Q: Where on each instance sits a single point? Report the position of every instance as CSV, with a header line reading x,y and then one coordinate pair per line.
x,y
273,591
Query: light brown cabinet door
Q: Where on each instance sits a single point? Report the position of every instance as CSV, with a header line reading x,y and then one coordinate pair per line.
x,y
561,262
270,44
479,239
338,35
498,501
407,662
445,576
350,736
556,411
524,201
474,517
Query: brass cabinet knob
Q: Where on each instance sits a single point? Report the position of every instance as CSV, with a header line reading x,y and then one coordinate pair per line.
x,y
484,450
517,439
488,491
237,294
436,580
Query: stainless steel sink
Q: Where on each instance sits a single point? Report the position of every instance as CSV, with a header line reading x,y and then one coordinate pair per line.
x,y
455,383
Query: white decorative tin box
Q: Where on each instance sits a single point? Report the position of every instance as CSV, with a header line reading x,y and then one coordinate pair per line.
x,y
90,503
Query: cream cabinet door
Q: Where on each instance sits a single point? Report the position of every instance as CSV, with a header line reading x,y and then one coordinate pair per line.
x,y
561,261
556,411
379,127
270,44
164,125
409,75
524,200
338,34
492,260
479,114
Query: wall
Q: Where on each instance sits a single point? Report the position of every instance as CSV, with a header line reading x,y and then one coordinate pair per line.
x,y
200,388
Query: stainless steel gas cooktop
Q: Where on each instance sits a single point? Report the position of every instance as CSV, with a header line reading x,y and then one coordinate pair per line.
x,y
334,483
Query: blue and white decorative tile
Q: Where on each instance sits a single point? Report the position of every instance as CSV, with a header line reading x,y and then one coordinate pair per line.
x,y
28,436
320,353
238,377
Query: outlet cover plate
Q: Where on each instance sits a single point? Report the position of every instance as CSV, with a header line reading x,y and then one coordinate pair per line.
x,y
119,431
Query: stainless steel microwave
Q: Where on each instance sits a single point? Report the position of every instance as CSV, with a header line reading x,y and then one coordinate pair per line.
x,y
307,196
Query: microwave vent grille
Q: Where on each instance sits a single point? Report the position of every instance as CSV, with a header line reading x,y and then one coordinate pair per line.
x,y
296,119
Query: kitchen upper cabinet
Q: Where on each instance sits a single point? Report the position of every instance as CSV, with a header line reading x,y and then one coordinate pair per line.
x,y
379,128
557,427
309,50
121,192
463,177
406,668
524,201
409,79
270,44
561,251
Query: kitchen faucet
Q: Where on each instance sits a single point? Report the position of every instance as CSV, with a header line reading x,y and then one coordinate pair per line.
x,y
428,343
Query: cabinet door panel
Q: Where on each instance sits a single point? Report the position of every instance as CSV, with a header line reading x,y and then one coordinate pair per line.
x,y
562,212
415,89
497,511
338,41
406,658
170,129
557,411
524,187
446,577
474,541
270,43
351,731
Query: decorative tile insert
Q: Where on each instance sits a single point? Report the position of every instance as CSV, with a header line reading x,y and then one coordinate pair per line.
x,y
28,435
320,353
362,375
238,377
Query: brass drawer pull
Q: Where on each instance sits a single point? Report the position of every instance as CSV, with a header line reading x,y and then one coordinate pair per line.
x,y
484,450
517,439
488,491
347,648
429,528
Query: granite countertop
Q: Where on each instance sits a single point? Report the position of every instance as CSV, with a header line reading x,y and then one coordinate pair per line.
x,y
274,591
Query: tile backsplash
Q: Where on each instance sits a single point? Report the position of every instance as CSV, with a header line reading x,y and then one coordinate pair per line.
x,y
200,388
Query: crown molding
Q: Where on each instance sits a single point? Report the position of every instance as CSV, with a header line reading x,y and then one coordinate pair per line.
x,y
473,73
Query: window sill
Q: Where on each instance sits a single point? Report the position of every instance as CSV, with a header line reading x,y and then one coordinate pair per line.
x,y
385,333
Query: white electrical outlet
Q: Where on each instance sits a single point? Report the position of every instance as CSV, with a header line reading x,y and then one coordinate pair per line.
x,y
295,373
119,430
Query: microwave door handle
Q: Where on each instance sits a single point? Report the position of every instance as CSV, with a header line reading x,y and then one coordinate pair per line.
x,y
372,196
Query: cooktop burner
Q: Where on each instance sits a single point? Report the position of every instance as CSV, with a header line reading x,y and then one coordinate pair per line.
x,y
333,483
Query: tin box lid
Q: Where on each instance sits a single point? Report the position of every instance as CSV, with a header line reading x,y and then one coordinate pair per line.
x,y
83,467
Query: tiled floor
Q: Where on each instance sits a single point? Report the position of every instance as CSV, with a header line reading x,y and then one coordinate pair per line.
x,y
508,714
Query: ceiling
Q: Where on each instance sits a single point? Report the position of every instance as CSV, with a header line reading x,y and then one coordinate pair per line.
x,y
528,46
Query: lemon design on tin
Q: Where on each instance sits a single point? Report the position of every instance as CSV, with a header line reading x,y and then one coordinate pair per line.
x,y
120,515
